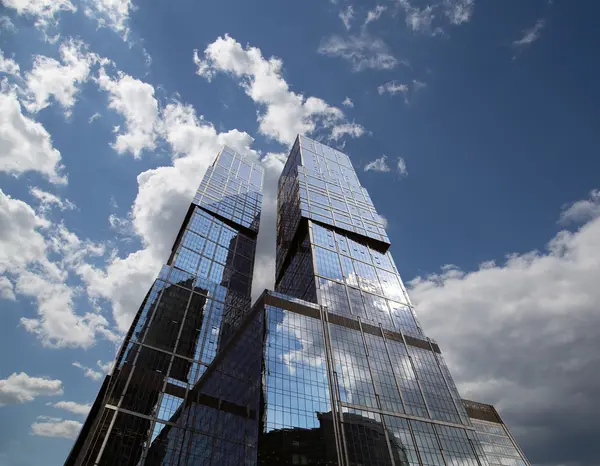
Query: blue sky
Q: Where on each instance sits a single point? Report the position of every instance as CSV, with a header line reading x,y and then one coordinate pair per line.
x,y
474,126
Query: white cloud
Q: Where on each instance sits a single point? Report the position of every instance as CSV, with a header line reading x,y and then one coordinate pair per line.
x,y
8,65
22,388
75,408
164,194
88,371
7,289
523,336
48,201
375,14
531,35
25,145
392,87
113,14
456,12
362,51
353,130
49,78
120,225
44,11
348,102
24,252
582,211
378,165
401,166
286,113
459,11
94,117
418,19
346,16
55,427
20,238
134,99
105,367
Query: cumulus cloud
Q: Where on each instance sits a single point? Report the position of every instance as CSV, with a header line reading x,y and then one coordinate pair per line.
x,y
523,336
26,242
73,407
55,427
135,101
25,145
583,210
88,371
61,81
381,165
531,34
7,289
362,51
8,65
44,12
346,16
286,113
22,388
378,165
348,102
113,14
95,374
353,130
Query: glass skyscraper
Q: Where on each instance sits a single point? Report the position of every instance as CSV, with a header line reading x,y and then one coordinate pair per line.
x,y
331,368
193,309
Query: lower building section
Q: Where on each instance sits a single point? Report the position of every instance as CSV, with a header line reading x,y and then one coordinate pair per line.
x,y
335,394
499,446
294,385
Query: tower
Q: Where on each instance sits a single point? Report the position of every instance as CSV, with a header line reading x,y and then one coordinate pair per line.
x,y
331,368
349,378
190,313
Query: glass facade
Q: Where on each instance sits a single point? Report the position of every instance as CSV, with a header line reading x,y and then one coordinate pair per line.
x,y
350,377
331,368
169,378
496,440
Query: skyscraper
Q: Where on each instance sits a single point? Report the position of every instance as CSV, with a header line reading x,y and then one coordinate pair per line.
x,y
192,310
331,368
347,364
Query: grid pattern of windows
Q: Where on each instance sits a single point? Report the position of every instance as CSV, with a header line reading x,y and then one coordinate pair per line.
x,y
382,298
296,387
168,370
307,423
437,394
232,189
498,447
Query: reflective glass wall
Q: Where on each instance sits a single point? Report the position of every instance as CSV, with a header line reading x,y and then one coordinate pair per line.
x,y
338,392
350,377
171,378
499,446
